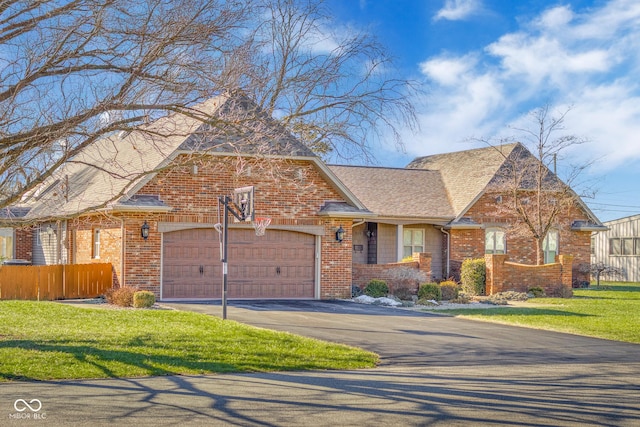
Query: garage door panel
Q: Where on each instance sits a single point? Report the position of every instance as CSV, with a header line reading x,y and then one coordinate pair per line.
x,y
280,264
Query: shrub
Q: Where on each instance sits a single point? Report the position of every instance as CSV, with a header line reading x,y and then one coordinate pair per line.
x,y
503,298
376,288
462,298
449,290
143,299
122,296
403,293
429,291
537,292
405,277
473,276
565,293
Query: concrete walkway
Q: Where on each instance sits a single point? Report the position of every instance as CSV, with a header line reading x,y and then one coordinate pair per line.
x,y
436,370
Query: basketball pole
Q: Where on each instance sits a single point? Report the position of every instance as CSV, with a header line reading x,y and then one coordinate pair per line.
x,y
226,200
224,256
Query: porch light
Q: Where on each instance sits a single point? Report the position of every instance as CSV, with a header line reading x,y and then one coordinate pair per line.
x,y
144,230
340,233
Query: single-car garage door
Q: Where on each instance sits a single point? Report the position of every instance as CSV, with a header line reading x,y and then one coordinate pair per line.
x,y
280,264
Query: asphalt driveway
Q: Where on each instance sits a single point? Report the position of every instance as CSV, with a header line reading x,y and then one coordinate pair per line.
x,y
409,338
435,370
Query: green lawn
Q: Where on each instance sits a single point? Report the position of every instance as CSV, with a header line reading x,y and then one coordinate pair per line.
x,y
47,340
611,311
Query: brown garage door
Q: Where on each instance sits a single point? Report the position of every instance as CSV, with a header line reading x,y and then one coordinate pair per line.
x,y
279,264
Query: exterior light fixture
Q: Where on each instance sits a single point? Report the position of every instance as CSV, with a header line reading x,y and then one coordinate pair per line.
x,y
340,233
144,230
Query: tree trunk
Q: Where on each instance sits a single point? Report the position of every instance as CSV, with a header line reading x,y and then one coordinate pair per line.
x,y
539,253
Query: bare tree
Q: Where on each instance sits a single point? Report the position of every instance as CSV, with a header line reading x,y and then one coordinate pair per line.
x,y
598,269
531,190
74,72
336,91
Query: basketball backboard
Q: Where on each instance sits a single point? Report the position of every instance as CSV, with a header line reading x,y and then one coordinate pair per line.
x,y
243,197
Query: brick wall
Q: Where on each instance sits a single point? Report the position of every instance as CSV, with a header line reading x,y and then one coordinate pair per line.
x,y
554,279
290,192
335,271
82,230
469,243
364,273
24,243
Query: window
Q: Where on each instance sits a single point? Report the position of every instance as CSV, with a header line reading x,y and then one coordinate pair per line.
x,y
593,245
629,246
413,241
96,243
6,243
495,241
550,247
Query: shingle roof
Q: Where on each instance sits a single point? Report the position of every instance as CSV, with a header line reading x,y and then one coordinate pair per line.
x,y
392,192
242,127
13,212
142,202
115,165
465,174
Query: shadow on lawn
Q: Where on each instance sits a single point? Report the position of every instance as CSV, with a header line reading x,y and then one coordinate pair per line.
x,y
95,362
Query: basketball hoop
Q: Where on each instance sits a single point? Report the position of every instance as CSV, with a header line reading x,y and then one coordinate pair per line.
x,y
261,224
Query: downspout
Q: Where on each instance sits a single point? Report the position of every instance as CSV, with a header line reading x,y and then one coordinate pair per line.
x,y
448,249
357,224
123,252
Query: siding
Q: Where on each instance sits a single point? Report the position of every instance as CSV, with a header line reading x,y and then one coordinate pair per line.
x,y
624,227
49,247
387,244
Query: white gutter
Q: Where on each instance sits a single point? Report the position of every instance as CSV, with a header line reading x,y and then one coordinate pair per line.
x,y
448,250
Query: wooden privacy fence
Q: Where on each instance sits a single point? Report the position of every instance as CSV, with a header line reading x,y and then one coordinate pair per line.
x,y
52,282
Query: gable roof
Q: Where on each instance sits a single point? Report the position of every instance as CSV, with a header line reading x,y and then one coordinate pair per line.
x,y
394,193
107,173
465,174
106,169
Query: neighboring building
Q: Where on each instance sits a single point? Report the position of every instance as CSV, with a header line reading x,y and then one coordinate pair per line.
x,y
170,174
619,247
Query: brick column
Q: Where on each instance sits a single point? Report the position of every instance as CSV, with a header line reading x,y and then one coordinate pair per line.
x,y
494,272
424,264
566,272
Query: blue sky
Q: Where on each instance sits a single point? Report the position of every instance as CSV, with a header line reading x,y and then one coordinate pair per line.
x,y
486,64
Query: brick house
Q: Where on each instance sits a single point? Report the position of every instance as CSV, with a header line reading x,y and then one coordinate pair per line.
x,y
170,174
446,205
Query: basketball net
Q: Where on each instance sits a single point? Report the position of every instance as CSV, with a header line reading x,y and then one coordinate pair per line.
x,y
260,224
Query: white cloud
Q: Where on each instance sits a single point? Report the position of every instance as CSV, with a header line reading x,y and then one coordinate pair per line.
x,y
448,71
456,10
588,59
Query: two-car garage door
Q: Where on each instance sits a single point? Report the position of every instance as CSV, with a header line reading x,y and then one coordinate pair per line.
x,y
280,264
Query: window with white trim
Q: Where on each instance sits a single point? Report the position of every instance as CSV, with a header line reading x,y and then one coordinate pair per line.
x,y
96,243
495,241
6,243
413,241
550,246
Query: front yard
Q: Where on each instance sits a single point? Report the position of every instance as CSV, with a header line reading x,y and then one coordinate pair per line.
x,y
47,340
611,311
